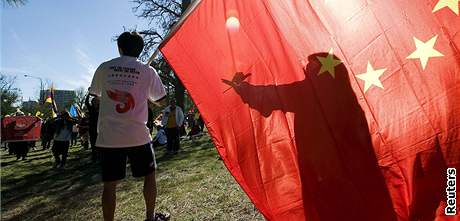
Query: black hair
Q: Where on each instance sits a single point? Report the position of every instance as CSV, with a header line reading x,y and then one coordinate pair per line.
x,y
131,44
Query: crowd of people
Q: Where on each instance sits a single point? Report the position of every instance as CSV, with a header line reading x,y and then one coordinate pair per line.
x,y
118,124
65,131
59,133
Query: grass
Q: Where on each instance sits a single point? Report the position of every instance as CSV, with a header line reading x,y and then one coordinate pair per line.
x,y
192,185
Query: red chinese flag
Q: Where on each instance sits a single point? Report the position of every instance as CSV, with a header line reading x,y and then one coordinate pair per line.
x,y
329,110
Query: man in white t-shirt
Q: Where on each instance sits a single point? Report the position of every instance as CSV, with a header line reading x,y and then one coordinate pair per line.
x,y
125,87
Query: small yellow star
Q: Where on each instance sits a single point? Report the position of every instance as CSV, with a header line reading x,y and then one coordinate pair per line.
x,y
371,77
328,64
425,51
452,4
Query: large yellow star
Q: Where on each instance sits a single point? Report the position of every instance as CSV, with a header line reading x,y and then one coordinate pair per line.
x,y
452,4
425,51
371,77
328,64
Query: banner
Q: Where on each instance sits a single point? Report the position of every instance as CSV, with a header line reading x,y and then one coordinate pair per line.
x,y
21,128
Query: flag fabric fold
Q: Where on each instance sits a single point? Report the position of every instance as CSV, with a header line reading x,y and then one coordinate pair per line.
x,y
329,110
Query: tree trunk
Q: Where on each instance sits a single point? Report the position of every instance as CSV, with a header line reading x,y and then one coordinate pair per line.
x,y
180,94
179,87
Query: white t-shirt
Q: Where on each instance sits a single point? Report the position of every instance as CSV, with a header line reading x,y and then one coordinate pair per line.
x,y
124,85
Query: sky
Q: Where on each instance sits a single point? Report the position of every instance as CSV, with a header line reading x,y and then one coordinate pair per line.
x,y
61,41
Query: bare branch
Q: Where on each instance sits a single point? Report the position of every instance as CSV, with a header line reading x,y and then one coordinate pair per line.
x,y
14,3
153,33
161,16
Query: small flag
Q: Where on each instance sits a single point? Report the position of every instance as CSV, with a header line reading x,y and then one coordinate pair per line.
x,y
53,102
73,111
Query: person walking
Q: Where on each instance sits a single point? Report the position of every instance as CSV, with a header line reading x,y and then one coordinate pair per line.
x,y
45,135
62,136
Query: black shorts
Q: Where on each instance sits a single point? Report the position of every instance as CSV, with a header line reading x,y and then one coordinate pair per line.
x,y
113,161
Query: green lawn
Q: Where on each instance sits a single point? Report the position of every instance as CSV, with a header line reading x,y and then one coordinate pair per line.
x,y
193,185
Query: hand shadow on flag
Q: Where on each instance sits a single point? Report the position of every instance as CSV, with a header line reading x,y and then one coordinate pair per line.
x,y
338,169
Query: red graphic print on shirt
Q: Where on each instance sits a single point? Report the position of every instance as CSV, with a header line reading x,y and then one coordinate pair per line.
x,y
125,98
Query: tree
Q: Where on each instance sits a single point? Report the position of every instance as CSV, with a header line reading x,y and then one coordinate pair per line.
x,y
32,107
9,94
14,2
43,92
80,95
163,14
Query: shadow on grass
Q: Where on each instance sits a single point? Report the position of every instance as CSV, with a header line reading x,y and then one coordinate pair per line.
x,y
32,190
64,189
5,164
59,186
8,160
25,214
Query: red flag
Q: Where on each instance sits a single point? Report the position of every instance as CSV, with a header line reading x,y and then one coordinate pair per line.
x,y
329,110
20,128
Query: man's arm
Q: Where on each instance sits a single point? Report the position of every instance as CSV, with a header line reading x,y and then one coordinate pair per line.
x,y
161,102
73,120
266,98
157,93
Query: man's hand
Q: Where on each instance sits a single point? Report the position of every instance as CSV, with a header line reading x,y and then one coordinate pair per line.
x,y
236,80
229,83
